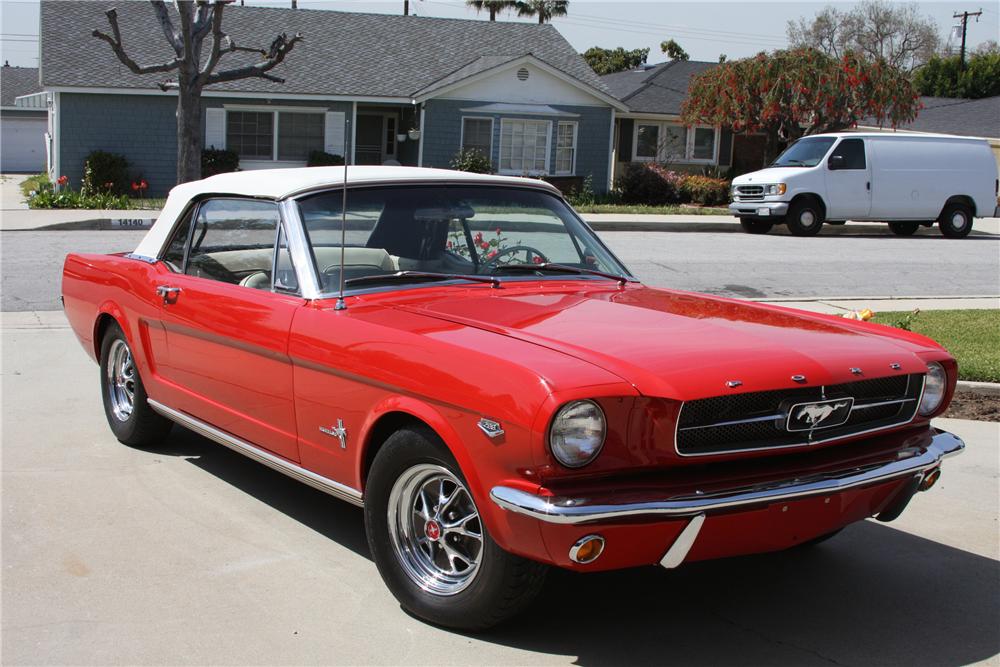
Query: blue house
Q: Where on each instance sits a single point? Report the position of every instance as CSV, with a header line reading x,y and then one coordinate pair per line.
x,y
373,88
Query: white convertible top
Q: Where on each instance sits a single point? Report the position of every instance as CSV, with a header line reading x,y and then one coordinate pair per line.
x,y
282,183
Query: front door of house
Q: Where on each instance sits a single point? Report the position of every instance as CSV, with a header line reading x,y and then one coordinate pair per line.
x,y
376,138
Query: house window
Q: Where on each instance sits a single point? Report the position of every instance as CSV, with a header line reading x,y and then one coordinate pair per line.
x,y
566,148
298,135
251,134
477,135
647,142
669,142
524,146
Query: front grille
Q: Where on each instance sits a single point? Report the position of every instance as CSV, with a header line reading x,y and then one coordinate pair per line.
x,y
750,192
757,420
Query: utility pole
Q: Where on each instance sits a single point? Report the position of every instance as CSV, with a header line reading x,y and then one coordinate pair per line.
x,y
406,8
965,22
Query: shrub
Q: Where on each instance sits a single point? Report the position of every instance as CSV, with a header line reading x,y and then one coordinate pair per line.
x,y
472,160
585,195
104,172
217,161
324,159
705,190
650,183
47,197
32,184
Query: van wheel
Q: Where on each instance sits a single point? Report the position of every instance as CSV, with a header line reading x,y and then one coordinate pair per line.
x,y
751,226
130,417
955,221
430,544
804,218
904,228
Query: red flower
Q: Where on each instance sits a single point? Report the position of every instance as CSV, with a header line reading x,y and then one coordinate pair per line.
x,y
491,255
498,231
449,244
135,187
484,245
537,260
478,238
109,185
143,184
62,180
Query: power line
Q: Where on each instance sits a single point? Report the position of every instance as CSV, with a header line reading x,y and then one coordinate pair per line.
x,y
965,25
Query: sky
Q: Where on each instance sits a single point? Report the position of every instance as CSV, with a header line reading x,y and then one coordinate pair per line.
x,y
704,29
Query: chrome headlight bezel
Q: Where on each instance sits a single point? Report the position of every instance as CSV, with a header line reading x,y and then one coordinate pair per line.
x,y
559,427
775,189
935,389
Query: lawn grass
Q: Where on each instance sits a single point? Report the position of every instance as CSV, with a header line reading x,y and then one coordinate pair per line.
x,y
972,336
638,209
33,183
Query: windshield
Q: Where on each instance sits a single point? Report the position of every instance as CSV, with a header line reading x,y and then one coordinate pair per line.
x,y
806,152
439,229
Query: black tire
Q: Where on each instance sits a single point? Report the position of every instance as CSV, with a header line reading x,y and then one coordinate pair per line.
x,y
818,540
752,226
503,584
904,228
804,218
141,427
955,221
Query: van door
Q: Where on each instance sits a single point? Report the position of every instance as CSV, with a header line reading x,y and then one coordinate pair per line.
x,y
848,181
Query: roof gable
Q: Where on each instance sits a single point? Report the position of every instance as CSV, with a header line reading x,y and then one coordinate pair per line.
x,y
343,53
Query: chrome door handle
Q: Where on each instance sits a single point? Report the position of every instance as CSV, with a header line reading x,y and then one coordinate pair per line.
x,y
168,294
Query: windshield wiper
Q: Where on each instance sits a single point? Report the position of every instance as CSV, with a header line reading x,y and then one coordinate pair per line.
x,y
562,268
421,275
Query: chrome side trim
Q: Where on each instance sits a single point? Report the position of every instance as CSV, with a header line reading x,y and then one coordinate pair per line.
x,y
336,489
298,248
682,545
807,443
568,510
141,258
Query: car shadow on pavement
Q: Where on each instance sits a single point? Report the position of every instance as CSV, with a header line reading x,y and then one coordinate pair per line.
x,y
871,595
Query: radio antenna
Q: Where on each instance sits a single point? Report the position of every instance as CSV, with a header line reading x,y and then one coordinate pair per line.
x,y
341,304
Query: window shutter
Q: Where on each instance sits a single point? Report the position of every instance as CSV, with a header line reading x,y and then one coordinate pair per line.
x,y
215,128
333,133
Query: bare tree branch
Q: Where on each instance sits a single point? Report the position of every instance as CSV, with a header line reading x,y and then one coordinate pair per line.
x,y
280,47
119,49
173,38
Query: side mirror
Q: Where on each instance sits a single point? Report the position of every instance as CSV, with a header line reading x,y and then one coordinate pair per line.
x,y
836,162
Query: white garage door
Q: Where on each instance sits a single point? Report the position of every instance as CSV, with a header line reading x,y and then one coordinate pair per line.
x,y
22,144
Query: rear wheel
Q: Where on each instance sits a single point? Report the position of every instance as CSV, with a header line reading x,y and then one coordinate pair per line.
x,y
431,546
752,226
955,221
904,228
804,218
129,415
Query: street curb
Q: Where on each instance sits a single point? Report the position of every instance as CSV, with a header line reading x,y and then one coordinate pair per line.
x,y
978,388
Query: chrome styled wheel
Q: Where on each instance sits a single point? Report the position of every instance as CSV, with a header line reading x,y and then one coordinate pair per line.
x,y
435,529
121,380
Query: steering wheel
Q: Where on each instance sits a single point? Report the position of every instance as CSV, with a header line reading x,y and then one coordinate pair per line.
x,y
530,254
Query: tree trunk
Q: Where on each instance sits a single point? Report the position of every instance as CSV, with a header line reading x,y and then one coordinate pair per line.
x,y
771,145
189,139
493,14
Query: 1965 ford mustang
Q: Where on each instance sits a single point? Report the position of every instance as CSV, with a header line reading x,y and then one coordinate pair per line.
x,y
462,355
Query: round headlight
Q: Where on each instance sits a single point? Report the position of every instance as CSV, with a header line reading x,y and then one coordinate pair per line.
x,y
935,386
577,433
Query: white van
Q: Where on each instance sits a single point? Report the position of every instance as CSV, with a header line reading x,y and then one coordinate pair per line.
x,y
904,179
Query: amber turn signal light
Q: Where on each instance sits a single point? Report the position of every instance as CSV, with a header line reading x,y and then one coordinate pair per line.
x,y
930,479
587,549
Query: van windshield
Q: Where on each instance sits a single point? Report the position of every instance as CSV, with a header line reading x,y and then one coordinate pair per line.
x,y
805,152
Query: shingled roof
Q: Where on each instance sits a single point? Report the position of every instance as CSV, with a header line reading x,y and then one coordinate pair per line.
x,y
656,89
17,81
948,115
343,53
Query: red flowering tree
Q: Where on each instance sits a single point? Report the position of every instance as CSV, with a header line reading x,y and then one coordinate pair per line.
x,y
788,94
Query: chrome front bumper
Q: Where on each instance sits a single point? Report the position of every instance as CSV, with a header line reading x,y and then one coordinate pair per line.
x,y
565,510
759,209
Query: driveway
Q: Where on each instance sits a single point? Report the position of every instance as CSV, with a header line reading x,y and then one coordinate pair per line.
x,y
191,554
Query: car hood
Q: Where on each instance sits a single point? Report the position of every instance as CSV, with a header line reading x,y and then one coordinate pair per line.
x,y
682,345
773,175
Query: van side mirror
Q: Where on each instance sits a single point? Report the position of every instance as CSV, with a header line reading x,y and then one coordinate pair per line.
x,y
836,162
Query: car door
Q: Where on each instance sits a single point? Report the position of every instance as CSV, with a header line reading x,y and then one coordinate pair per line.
x,y
848,181
227,309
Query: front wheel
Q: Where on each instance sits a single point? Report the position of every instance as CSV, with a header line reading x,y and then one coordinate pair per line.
x,y
904,228
751,226
804,218
430,544
129,415
955,221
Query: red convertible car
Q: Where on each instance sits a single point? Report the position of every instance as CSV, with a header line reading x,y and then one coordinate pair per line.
x,y
463,357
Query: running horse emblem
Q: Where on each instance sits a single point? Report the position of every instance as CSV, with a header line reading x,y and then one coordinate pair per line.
x,y
814,414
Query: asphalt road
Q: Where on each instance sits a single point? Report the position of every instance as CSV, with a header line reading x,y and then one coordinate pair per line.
x,y
191,554
726,263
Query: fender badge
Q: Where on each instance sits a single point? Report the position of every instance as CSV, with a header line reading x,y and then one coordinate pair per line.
x,y
734,383
799,378
491,428
337,431
856,371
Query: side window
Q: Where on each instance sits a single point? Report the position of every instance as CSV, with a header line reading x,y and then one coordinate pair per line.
x,y
853,152
233,241
174,255
285,279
